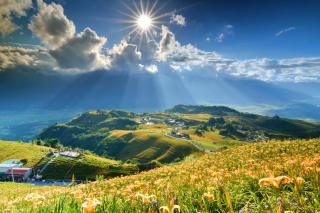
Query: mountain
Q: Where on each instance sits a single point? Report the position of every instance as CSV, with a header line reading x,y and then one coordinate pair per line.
x,y
132,137
147,92
114,134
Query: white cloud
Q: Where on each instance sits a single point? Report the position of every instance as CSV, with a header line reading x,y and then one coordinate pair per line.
x,y
178,19
125,57
285,30
10,9
152,68
51,25
229,26
81,52
208,39
176,68
187,68
147,47
298,79
19,57
71,53
220,37
167,43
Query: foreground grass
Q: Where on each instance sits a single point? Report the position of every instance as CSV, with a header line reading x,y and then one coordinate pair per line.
x,y
264,177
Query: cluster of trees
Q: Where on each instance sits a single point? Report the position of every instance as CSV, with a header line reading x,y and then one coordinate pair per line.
x,y
213,121
53,143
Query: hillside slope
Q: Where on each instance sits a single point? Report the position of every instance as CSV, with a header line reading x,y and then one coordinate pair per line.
x,y
85,166
262,177
95,131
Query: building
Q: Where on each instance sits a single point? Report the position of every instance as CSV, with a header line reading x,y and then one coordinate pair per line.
x,y
180,123
7,165
19,172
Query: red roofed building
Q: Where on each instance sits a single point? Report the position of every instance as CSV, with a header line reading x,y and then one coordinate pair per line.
x,y
20,172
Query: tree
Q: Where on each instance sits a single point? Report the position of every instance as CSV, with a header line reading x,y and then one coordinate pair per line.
x,y
52,142
223,132
212,121
220,120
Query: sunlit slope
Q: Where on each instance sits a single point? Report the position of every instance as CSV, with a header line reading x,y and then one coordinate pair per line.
x,y
189,109
263,177
27,153
280,127
146,146
86,167
106,133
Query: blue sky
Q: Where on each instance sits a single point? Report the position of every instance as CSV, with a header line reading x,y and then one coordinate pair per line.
x,y
264,40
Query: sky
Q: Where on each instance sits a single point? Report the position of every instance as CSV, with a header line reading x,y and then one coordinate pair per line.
x,y
272,41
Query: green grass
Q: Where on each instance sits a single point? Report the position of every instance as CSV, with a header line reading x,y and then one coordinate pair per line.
x,y
278,176
85,167
15,150
148,146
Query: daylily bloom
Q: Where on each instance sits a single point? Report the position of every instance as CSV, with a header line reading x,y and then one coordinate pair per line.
x,y
166,208
309,163
208,195
145,198
274,181
90,205
34,197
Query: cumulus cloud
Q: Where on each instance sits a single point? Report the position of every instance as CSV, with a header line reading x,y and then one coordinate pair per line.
x,y
187,68
71,52
176,68
19,57
178,19
145,46
51,25
81,52
125,57
152,68
10,9
167,44
208,39
285,30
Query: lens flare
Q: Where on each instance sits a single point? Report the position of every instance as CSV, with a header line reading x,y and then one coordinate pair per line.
x,y
144,21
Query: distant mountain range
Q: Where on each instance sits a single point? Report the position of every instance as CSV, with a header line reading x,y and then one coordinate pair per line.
x,y
102,89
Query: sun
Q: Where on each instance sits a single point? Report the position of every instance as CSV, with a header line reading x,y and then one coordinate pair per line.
x,y
144,22
144,18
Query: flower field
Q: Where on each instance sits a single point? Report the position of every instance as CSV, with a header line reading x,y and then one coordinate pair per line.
x,y
263,177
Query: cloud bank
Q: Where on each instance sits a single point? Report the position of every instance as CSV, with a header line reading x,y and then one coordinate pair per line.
x,y
10,9
136,53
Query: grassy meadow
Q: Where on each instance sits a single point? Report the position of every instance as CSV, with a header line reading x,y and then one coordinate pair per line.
x,y
86,167
262,177
32,154
150,144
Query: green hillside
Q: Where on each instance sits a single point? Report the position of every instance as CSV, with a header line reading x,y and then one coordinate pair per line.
x,y
27,153
190,109
85,166
141,138
281,128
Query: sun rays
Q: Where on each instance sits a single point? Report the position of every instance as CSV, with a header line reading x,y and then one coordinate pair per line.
x,y
143,18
